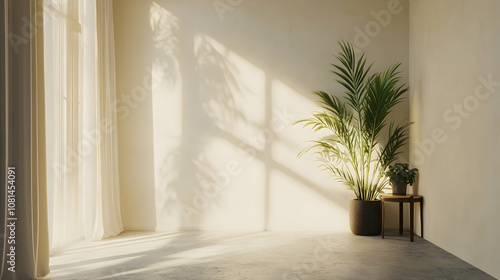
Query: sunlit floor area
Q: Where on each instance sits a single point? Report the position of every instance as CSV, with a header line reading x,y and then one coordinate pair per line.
x,y
258,255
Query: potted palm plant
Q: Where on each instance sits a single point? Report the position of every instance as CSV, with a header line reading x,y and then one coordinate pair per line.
x,y
352,151
400,175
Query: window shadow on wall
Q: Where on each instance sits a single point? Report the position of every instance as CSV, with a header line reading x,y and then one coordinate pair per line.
x,y
224,114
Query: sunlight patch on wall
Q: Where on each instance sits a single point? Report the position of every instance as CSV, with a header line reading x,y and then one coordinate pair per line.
x,y
231,87
223,174
167,107
296,206
224,158
301,177
291,141
298,107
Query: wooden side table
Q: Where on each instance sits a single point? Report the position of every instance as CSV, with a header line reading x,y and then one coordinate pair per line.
x,y
404,199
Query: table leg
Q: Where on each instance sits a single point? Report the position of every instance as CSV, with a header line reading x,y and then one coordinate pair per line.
x,y
401,218
422,217
411,218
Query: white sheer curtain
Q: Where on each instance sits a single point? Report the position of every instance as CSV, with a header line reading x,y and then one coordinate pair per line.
x,y
101,193
62,38
83,190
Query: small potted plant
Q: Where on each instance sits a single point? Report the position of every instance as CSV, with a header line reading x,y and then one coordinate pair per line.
x,y
400,175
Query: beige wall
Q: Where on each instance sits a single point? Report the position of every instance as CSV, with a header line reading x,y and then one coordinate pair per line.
x,y
133,46
209,143
454,51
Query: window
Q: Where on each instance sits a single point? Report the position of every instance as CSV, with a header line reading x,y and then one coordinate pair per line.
x,y
63,75
80,90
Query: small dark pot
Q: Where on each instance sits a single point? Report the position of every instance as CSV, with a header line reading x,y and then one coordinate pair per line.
x,y
365,217
399,188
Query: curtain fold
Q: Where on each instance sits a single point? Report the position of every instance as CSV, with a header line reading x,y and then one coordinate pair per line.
x,y
62,92
112,223
101,185
25,232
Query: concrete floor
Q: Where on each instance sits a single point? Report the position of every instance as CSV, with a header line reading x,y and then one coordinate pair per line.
x,y
258,255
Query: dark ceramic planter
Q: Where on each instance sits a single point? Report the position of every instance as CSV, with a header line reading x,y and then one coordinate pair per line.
x,y
365,217
399,188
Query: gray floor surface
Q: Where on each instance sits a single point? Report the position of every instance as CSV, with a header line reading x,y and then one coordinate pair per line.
x,y
259,255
